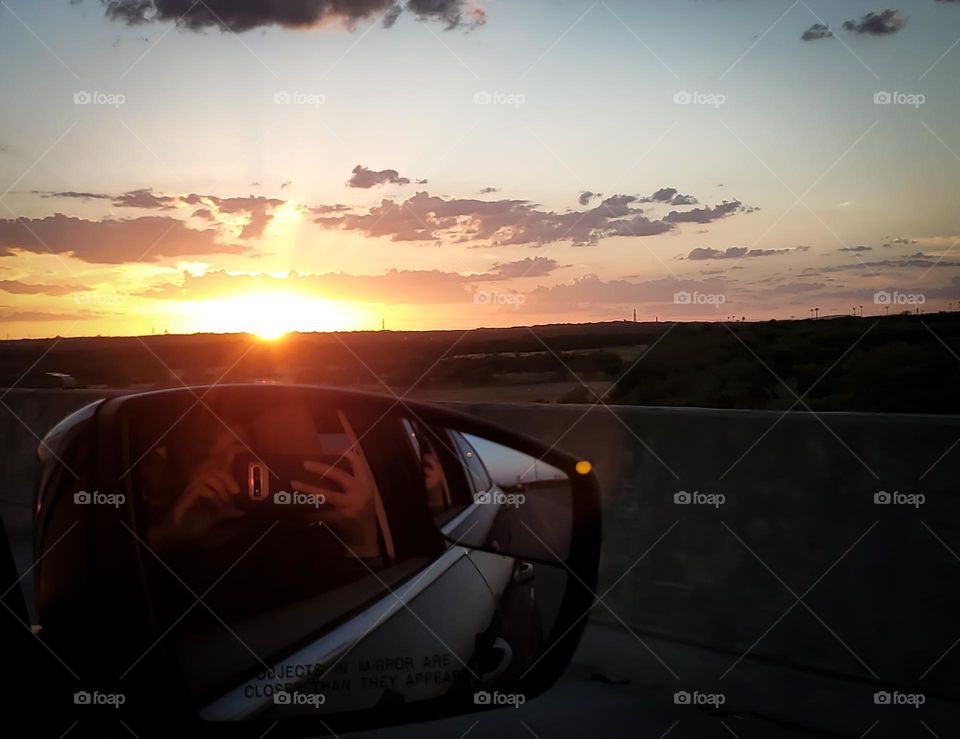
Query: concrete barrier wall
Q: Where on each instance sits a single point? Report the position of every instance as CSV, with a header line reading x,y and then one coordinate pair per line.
x,y
798,564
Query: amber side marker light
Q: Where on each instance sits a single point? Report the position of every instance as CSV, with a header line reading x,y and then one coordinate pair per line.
x,y
584,467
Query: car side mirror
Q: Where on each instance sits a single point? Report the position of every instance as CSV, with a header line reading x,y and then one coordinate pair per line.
x,y
252,554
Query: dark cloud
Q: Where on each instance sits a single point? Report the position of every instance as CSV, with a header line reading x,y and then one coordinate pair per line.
x,y
817,31
738,252
619,205
390,17
663,195
453,13
636,225
489,190
244,15
671,196
528,267
258,209
73,194
586,196
25,288
707,214
367,178
856,248
899,241
144,198
424,217
877,24
706,252
111,241
324,209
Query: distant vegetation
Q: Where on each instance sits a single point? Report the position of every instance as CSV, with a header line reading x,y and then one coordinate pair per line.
x,y
896,363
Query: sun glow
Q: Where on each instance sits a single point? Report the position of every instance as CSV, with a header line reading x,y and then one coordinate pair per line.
x,y
270,315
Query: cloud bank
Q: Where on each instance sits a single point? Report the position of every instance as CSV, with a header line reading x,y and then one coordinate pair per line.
x,y
431,218
246,15
366,178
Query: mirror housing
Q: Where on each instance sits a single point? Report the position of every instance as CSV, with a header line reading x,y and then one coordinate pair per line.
x,y
102,587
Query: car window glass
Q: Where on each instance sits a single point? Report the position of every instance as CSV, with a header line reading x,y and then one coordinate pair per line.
x,y
307,555
435,455
477,474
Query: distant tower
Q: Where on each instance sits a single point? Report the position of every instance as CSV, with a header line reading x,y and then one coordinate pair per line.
x,y
634,315
383,324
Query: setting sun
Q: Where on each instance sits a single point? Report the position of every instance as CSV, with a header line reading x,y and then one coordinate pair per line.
x,y
270,315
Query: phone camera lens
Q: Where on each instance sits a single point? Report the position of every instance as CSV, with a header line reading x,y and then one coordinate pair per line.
x,y
257,482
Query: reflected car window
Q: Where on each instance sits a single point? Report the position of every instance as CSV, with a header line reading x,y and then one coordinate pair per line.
x,y
268,516
476,472
433,457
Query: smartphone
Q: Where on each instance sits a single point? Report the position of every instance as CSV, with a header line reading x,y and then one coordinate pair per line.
x,y
266,482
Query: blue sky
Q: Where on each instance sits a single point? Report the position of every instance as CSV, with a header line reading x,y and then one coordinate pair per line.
x,y
839,198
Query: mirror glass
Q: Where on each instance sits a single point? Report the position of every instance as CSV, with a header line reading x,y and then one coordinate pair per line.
x,y
306,557
487,495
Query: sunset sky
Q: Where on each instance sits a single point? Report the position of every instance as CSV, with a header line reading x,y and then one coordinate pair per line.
x,y
187,166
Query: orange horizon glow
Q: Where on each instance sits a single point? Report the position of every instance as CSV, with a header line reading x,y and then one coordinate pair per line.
x,y
272,315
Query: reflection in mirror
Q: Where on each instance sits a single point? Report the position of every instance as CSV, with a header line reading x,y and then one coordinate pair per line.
x,y
487,495
535,497
308,558
514,513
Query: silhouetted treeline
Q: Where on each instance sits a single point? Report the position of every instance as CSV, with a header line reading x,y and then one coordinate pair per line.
x,y
896,363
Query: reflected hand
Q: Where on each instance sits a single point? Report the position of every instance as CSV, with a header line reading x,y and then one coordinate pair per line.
x,y
435,482
432,470
209,498
351,513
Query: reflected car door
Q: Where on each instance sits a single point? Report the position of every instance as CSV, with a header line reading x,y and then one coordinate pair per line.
x,y
497,570
418,641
